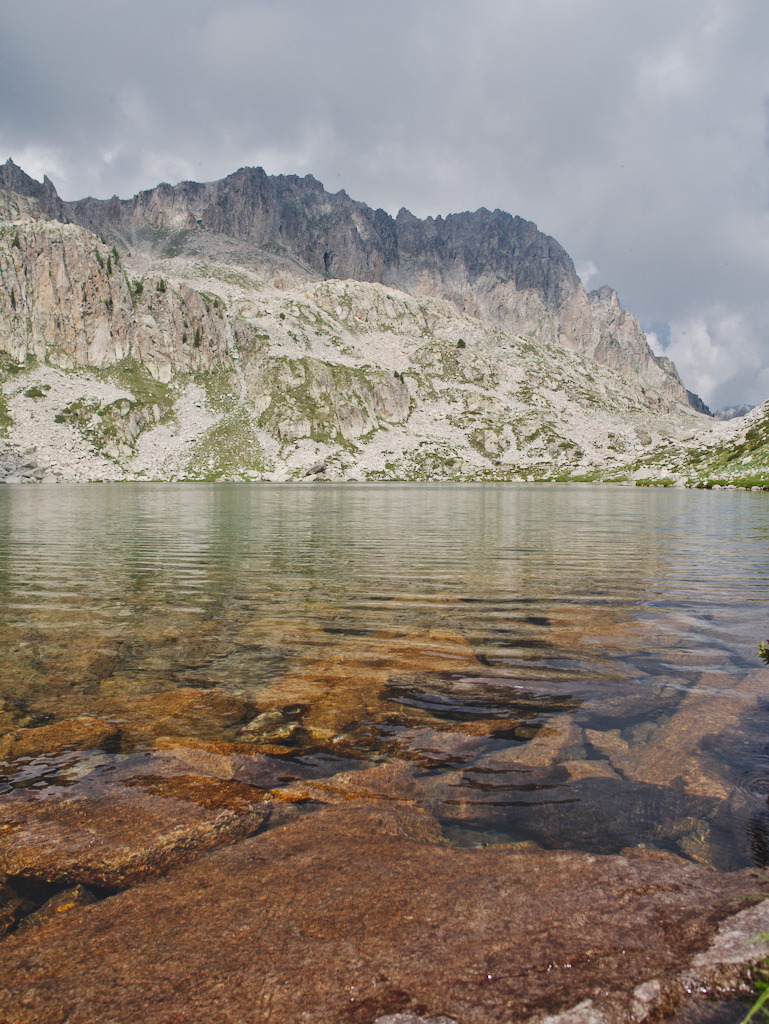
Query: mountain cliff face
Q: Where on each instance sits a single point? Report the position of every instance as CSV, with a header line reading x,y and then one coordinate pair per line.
x,y
47,201
66,299
261,327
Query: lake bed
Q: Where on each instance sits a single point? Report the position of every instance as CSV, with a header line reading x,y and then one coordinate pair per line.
x,y
529,671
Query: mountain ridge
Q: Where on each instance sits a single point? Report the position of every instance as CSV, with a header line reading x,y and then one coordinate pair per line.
x,y
145,348
489,264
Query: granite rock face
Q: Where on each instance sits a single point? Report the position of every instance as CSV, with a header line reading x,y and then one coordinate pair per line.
x,y
67,300
618,342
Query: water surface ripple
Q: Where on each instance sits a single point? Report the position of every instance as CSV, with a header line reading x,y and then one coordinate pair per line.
x,y
565,666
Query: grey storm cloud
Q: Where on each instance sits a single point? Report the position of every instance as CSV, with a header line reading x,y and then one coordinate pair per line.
x,y
636,134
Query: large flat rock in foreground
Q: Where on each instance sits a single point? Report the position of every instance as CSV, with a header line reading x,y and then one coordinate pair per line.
x,y
358,912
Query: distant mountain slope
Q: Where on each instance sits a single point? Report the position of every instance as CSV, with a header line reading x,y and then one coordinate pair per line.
x,y
141,344
733,412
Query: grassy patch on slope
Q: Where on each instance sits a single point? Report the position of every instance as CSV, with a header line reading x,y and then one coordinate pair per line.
x,y
229,448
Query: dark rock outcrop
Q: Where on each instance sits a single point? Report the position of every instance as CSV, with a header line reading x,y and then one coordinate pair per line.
x,y
696,403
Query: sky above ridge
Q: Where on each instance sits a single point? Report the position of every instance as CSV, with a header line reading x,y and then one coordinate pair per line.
x,y
637,134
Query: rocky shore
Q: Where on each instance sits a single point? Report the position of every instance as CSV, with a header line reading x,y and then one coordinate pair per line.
x,y
396,927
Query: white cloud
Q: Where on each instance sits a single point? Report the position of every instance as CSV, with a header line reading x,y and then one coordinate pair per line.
x,y
670,74
587,272
635,133
716,352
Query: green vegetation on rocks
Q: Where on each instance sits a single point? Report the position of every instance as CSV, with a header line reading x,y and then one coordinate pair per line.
x,y
229,449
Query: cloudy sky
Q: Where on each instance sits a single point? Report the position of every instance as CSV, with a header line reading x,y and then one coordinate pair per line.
x,y
637,134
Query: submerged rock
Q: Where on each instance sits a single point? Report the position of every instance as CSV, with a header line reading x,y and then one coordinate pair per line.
x,y
70,734
673,750
389,784
114,836
390,927
344,698
209,713
62,903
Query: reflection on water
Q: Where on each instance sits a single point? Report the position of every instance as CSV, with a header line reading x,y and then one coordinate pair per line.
x,y
572,667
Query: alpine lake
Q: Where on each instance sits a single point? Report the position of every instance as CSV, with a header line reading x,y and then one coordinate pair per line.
x,y
525,669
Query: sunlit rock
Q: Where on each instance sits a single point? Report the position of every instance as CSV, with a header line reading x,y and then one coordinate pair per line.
x,y
344,691
211,713
68,734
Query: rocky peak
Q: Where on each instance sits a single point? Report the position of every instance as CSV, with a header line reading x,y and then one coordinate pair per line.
x,y
604,298
336,236
619,342
14,179
486,243
488,264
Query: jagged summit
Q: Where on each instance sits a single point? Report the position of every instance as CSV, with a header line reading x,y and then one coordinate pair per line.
x,y
14,179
